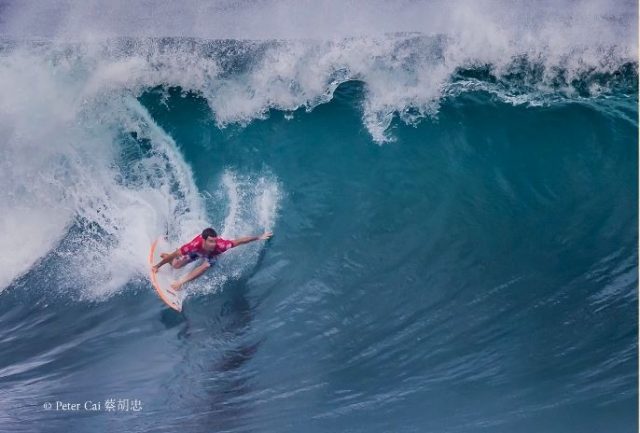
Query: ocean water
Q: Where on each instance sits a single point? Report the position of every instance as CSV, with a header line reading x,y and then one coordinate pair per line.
x,y
452,187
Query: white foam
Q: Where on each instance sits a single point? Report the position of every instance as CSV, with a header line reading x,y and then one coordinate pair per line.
x,y
61,168
404,51
65,115
249,205
27,234
480,20
135,211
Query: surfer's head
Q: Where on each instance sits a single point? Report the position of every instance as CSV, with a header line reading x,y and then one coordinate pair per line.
x,y
209,235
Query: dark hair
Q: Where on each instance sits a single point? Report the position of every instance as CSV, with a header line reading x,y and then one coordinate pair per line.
x,y
209,232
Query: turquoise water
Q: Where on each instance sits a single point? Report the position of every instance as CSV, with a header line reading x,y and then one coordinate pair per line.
x,y
451,253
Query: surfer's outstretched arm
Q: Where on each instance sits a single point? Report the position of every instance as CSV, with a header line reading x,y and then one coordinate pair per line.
x,y
247,239
192,275
166,259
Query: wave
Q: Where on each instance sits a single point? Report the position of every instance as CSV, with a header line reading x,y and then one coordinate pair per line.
x,y
89,179
480,273
81,151
404,76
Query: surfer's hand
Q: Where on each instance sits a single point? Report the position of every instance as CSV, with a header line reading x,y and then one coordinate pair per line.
x,y
176,285
154,269
264,236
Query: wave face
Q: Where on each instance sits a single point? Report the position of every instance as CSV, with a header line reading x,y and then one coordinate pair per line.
x,y
452,187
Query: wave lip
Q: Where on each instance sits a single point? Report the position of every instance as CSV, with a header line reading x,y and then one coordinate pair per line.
x,y
408,55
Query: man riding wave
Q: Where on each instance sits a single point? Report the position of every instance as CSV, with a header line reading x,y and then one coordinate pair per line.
x,y
205,246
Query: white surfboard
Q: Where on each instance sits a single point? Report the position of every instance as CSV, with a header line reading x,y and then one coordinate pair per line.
x,y
162,279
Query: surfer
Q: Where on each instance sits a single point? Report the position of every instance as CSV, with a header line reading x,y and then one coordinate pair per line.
x,y
206,246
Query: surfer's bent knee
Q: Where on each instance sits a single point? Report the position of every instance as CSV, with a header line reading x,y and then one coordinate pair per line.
x,y
183,260
180,261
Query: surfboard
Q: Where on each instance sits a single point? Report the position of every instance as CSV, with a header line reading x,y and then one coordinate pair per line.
x,y
162,279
